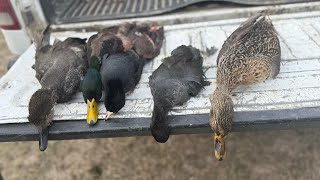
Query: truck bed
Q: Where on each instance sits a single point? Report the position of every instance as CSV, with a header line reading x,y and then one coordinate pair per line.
x,y
292,100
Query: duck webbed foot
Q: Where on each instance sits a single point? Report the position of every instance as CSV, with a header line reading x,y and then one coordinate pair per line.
x,y
108,114
43,139
129,93
219,147
154,28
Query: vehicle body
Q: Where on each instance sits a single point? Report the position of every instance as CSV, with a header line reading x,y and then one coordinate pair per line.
x,y
290,101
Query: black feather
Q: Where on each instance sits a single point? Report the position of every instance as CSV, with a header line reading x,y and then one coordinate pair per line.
x,y
178,78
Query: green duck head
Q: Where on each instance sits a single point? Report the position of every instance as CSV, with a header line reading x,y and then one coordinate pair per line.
x,y
91,87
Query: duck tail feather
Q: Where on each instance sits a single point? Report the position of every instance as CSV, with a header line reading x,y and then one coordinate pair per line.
x,y
44,39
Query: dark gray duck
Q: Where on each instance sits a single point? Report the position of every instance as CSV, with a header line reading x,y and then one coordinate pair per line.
x,y
176,80
120,73
59,68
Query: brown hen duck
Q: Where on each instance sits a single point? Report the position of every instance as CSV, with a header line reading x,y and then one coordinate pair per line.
x,y
251,54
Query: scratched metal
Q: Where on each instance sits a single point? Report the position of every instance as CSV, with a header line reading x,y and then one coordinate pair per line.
x,y
297,85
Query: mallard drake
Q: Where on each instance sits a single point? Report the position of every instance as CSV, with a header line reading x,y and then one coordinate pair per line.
x,y
120,73
250,54
91,88
178,78
59,69
99,45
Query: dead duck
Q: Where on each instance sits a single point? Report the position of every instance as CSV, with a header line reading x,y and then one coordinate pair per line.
x,y
120,47
173,83
91,88
59,69
250,54
99,45
147,40
120,73
144,39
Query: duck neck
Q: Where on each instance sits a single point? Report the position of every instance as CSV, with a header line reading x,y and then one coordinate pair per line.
x,y
94,62
159,114
223,89
114,96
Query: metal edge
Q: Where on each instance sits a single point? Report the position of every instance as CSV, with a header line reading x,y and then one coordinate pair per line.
x,y
191,17
186,124
170,9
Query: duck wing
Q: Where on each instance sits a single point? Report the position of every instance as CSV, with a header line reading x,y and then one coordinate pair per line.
x,y
182,72
241,31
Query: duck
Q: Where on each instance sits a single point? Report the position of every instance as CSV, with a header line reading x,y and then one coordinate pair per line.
x,y
120,73
173,83
146,40
99,45
59,69
251,54
133,44
91,88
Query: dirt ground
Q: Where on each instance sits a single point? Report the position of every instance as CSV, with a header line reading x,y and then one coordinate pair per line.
x,y
274,155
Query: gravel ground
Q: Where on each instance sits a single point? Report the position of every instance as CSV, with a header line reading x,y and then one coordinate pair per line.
x,y
274,155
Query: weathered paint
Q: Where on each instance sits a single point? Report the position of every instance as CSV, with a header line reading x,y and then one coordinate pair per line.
x,y
297,86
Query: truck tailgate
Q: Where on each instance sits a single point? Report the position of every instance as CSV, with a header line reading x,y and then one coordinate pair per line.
x,y
292,100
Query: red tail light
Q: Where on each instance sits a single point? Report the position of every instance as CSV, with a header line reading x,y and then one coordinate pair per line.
x,y
8,19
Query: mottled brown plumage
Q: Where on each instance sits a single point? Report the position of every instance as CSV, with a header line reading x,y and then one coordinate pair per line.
x,y
251,54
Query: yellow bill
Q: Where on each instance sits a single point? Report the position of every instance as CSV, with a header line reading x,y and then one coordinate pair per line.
x,y
92,112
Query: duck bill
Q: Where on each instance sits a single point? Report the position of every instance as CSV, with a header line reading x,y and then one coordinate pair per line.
x,y
92,112
43,139
219,148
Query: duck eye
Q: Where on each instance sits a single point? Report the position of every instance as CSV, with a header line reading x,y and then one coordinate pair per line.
x,y
93,106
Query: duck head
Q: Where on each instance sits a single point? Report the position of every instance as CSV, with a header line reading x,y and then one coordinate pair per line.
x,y
111,45
114,97
220,119
41,113
93,80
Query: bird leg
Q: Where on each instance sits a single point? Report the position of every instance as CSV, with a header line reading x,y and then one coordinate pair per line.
x,y
150,40
153,28
129,93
